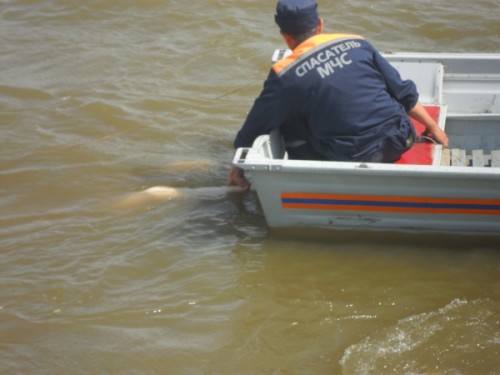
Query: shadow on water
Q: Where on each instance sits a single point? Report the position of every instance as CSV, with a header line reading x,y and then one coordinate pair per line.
x,y
407,239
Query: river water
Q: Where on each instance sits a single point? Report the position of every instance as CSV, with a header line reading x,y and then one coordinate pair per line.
x,y
100,99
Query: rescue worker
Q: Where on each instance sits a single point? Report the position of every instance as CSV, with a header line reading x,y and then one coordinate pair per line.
x,y
334,98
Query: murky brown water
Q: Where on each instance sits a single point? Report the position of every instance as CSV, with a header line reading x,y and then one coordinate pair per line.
x,y
103,98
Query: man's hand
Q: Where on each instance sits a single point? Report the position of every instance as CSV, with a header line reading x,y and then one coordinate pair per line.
x,y
437,134
237,177
419,113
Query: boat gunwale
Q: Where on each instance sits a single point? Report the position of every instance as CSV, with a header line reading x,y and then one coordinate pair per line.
x,y
437,56
253,163
314,167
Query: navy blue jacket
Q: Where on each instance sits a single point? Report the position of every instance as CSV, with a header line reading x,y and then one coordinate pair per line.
x,y
337,93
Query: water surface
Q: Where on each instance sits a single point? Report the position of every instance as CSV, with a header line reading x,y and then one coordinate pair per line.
x,y
99,99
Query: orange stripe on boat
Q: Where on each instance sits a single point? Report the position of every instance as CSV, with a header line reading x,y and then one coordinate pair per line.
x,y
343,202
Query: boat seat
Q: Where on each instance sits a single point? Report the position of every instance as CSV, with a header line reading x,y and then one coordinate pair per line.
x,y
424,153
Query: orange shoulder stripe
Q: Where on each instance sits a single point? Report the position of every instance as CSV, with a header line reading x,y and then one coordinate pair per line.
x,y
309,45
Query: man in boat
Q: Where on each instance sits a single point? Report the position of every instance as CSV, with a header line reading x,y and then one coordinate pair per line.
x,y
334,98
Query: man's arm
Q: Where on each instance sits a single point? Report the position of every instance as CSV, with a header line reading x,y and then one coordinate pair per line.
x,y
262,119
419,113
405,92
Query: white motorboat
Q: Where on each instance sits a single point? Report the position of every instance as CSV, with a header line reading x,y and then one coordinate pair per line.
x,y
430,188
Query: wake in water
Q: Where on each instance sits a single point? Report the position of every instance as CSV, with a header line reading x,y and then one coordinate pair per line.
x,y
447,341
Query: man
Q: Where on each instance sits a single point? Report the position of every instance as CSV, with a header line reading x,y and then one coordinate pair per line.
x,y
334,98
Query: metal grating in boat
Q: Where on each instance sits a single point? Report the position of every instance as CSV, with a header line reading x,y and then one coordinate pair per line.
x,y
457,157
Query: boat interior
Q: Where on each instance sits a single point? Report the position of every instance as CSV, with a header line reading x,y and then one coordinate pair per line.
x,y
460,93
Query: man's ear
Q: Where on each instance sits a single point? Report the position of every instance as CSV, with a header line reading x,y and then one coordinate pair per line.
x,y
320,25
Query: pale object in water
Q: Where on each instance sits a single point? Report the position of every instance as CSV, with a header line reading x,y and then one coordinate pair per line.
x,y
158,194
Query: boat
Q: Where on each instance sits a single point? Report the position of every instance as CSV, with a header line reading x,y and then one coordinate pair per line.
x,y
430,188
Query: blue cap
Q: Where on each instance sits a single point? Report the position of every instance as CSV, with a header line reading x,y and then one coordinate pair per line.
x,y
295,17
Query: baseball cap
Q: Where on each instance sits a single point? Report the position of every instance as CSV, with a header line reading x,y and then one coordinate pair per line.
x,y
295,17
